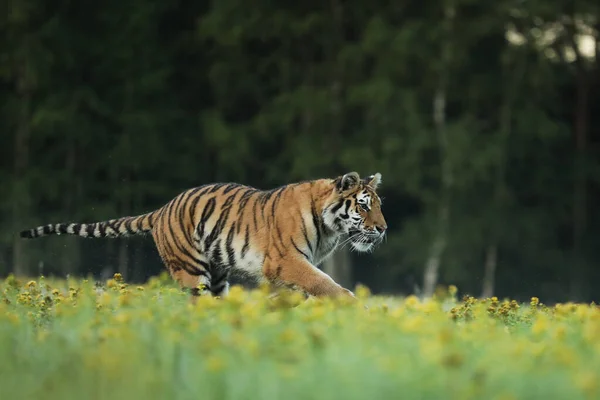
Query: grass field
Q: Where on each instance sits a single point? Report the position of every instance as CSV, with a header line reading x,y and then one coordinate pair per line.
x,y
80,340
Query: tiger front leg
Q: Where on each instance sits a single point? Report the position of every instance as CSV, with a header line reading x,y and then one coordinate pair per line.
x,y
305,276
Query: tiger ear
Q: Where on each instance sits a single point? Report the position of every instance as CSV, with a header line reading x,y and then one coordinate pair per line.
x,y
348,181
373,180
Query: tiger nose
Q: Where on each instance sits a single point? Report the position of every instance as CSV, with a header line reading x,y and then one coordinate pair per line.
x,y
381,228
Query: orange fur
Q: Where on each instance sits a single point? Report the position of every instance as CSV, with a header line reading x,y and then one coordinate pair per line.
x,y
279,236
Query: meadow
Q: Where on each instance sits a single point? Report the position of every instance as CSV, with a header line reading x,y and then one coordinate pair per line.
x,y
73,339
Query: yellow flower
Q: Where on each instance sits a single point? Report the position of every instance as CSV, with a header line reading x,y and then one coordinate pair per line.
x,y
288,371
540,325
452,290
588,382
125,298
287,335
412,323
123,318
559,333
362,292
13,318
235,295
412,301
215,363
41,335
564,356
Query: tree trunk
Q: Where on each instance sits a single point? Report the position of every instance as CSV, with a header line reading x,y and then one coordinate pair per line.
x,y
432,265
124,209
336,81
71,254
123,258
580,184
491,261
137,262
21,163
514,75
125,172
339,267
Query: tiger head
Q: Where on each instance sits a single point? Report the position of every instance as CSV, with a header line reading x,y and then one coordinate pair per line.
x,y
355,209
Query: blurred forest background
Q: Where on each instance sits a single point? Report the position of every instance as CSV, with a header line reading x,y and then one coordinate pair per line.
x,y
483,118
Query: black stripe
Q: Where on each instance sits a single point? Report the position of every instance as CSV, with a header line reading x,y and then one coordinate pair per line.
x,y
280,251
198,192
147,220
102,229
181,219
218,289
254,213
117,225
192,213
316,222
229,246
193,208
298,249
246,242
348,204
337,206
62,228
47,229
217,229
137,224
28,234
173,207
244,198
76,228
181,248
263,200
128,228
195,271
242,205
215,187
192,260
89,228
217,257
220,281
305,233
230,187
276,200
207,212
266,196
221,222
204,191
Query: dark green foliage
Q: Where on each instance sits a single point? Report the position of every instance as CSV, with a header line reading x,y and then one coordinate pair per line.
x,y
112,108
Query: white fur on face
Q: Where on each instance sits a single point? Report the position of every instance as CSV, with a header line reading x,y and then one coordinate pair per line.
x,y
343,217
364,199
362,247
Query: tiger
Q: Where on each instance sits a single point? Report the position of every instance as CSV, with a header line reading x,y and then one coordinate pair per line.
x,y
278,236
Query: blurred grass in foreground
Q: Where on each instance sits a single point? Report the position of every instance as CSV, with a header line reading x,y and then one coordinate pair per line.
x,y
77,339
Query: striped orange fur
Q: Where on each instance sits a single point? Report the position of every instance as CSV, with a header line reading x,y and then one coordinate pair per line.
x,y
279,235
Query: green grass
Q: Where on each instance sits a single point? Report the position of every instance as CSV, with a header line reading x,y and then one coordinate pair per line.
x,y
74,340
